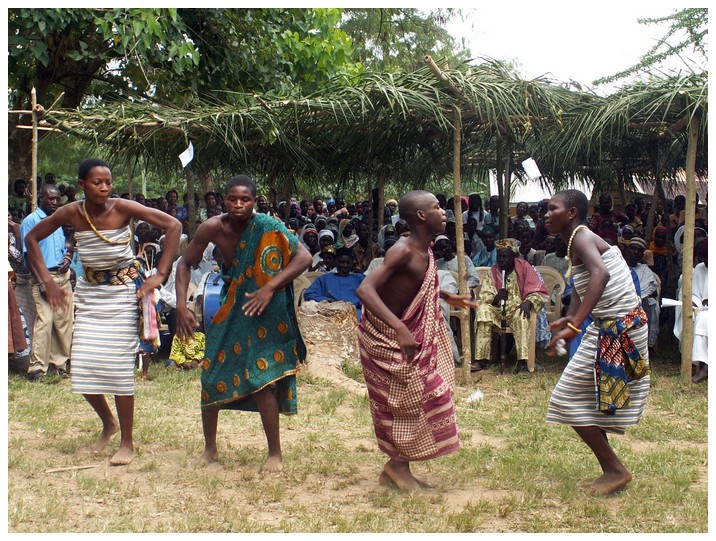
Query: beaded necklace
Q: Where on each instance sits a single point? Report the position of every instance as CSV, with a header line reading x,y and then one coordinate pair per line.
x,y
569,250
100,235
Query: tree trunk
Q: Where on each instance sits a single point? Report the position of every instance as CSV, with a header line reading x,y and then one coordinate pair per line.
x,y
504,183
499,173
287,197
687,332
381,199
206,179
130,176
191,206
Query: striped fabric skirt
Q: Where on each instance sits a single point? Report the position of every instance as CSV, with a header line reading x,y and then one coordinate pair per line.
x,y
105,340
574,399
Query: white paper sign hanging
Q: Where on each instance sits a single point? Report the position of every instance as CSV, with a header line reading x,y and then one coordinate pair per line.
x,y
530,167
187,155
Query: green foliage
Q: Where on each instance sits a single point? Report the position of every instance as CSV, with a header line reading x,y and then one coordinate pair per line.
x,y
172,55
275,51
397,39
66,50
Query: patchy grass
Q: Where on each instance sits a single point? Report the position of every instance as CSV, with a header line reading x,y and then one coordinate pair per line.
x,y
514,472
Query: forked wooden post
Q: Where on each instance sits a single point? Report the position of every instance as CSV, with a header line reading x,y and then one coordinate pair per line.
x,y
465,334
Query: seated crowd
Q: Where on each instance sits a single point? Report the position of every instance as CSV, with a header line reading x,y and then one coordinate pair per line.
x,y
346,243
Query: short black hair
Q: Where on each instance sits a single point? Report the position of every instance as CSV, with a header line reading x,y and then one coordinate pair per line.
x,y
576,199
89,164
344,252
46,188
241,180
410,203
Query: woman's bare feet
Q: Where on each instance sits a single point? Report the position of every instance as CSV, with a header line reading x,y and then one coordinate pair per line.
x,y
209,456
400,474
609,482
274,464
123,456
104,437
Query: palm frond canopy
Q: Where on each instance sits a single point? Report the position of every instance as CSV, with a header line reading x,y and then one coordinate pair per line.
x,y
399,125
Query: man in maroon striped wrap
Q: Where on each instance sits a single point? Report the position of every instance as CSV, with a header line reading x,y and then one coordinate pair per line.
x,y
405,349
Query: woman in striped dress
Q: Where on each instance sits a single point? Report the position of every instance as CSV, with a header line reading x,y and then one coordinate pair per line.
x,y
605,384
106,328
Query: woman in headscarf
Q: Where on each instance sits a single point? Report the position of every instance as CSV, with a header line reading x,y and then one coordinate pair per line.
x,y
402,229
346,233
659,253
325,238
385,231
309,238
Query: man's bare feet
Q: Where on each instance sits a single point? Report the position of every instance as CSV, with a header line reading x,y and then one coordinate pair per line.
x,y
399,473
274,464
122,457
385,480
609,483
209,456
104,437
702,374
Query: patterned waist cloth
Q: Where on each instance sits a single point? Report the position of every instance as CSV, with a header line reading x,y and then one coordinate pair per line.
x,y
133,273
618,360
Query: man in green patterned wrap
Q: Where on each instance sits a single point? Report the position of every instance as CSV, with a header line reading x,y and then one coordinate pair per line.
x,y
253,343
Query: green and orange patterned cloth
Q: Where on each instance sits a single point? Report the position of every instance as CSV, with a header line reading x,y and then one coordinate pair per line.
x,y
244,354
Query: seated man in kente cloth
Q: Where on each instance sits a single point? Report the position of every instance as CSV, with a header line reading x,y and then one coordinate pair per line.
x,y
523,293
253,343
405,348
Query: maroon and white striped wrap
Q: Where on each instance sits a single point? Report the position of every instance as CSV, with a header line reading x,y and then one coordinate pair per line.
x,y
411,403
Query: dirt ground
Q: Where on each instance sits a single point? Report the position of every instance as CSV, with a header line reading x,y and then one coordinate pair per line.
x,y
329,483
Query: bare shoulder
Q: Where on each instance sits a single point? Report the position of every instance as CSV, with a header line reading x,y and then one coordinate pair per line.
x,y
211,225
399,255
73,214
587,247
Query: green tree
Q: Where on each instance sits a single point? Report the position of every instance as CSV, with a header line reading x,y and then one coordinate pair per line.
x,y
165,55
397,39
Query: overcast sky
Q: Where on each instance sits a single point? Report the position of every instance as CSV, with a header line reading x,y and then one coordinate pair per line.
x,y
581,41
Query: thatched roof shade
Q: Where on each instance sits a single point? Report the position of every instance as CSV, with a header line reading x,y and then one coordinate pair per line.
x,y
350,128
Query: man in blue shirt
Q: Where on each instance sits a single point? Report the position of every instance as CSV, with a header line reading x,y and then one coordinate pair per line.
x,y
52,332
340,286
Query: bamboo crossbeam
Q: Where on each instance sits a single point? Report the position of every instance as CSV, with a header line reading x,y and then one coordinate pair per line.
x,y
40,128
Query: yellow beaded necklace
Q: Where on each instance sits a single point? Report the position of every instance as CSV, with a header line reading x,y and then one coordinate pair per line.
x,y
569,250
100,235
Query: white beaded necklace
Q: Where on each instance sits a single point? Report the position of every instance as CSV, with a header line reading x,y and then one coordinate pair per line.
x,y
569,250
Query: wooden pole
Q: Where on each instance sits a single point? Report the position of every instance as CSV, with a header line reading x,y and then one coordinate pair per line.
x,y
33,180
687,314
381,200
465,333
499,167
